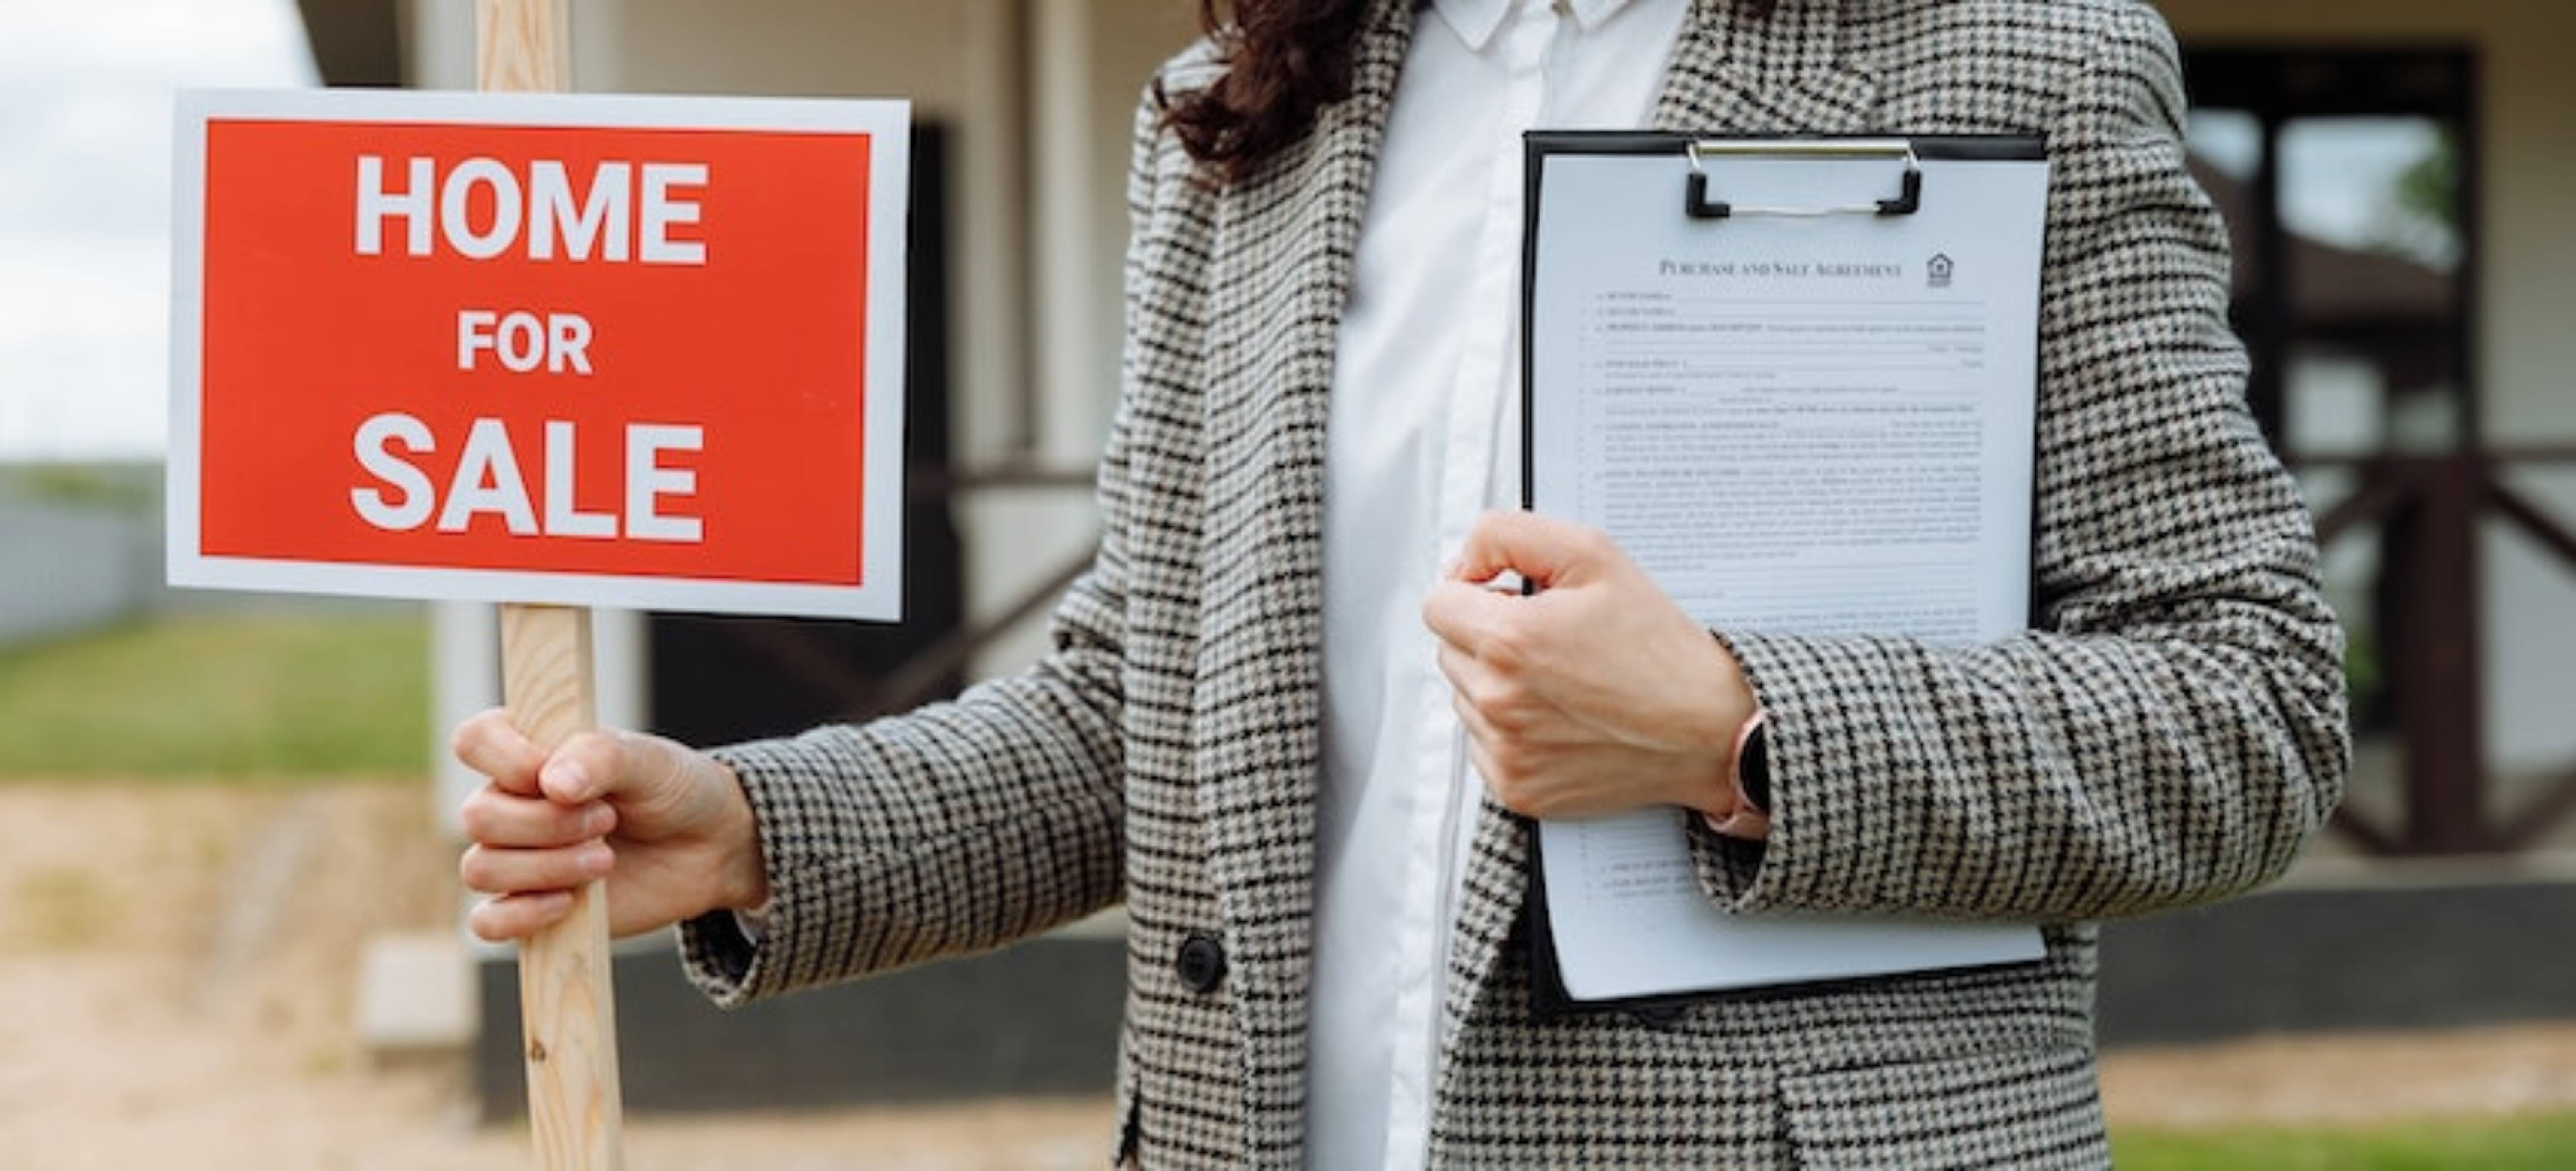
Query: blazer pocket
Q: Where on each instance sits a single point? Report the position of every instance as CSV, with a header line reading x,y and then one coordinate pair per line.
x,y
2016,1108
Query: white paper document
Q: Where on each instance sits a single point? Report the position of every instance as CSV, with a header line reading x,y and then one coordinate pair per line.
x,y
1797,424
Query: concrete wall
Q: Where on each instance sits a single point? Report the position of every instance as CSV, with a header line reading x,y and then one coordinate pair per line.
x,y
69,569
2526,350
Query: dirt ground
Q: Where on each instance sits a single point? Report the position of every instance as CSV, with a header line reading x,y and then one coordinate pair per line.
x,y
177,968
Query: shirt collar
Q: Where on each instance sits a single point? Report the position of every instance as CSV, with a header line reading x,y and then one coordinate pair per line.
x,y
1476,21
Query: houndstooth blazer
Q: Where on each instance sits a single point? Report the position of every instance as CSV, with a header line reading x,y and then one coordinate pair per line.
x,y
2170,732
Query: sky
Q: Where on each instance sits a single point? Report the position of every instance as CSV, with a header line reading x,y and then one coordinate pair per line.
x,y
85,121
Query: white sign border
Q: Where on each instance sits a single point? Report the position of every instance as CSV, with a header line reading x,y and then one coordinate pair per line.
x,y
879,597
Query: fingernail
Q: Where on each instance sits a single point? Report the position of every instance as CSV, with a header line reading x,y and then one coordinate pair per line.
x,y
567,779
596,861
598,821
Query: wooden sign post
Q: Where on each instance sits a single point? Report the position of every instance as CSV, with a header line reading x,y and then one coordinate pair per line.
x,y
567,997
567,1004
551,351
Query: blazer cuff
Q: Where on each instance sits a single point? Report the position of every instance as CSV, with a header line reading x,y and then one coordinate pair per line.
x,y
1738,872
717,951
735,962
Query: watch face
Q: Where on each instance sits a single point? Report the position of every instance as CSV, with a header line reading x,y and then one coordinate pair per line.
x,y
1753,767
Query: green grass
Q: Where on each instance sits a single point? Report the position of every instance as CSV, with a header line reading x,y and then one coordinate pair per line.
x,y
260,695
2532,1143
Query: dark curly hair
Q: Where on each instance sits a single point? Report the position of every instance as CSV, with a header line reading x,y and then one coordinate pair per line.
x,y
1284,61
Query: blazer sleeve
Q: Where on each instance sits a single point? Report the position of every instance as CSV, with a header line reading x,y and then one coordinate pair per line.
x,y
959,827
2174,728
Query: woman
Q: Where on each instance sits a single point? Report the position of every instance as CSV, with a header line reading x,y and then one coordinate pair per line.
x,y
1260,691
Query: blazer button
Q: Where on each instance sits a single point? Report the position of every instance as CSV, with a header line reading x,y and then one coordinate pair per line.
x,y
1201,963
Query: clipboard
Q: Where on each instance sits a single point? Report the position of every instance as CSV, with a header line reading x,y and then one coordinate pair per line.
x,y
1699,179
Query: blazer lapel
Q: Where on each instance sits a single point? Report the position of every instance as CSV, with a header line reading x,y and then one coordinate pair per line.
x,y
1776,74
1731,73
1285,239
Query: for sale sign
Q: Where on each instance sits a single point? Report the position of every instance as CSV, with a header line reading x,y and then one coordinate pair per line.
x,y
584,350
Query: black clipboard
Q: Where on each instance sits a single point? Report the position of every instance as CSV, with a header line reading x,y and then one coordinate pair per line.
x,y
1701,196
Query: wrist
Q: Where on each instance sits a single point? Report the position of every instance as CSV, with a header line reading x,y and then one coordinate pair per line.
x,y
1712,784
1714,730
742,871
1731,703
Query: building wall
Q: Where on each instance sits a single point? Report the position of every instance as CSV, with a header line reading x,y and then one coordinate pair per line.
x,y
2526,352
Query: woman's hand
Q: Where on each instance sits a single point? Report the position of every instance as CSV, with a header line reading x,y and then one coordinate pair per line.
x,y
669,822
1596,695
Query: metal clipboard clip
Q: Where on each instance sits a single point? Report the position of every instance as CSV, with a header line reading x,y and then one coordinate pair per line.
x,y
1909,198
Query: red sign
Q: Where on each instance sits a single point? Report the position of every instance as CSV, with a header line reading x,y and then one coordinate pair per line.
x,y
586,350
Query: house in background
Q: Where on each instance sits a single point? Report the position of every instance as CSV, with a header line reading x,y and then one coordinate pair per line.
x,y
2416,371
2412,358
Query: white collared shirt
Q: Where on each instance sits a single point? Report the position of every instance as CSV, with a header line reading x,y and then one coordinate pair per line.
x,y
1425,415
